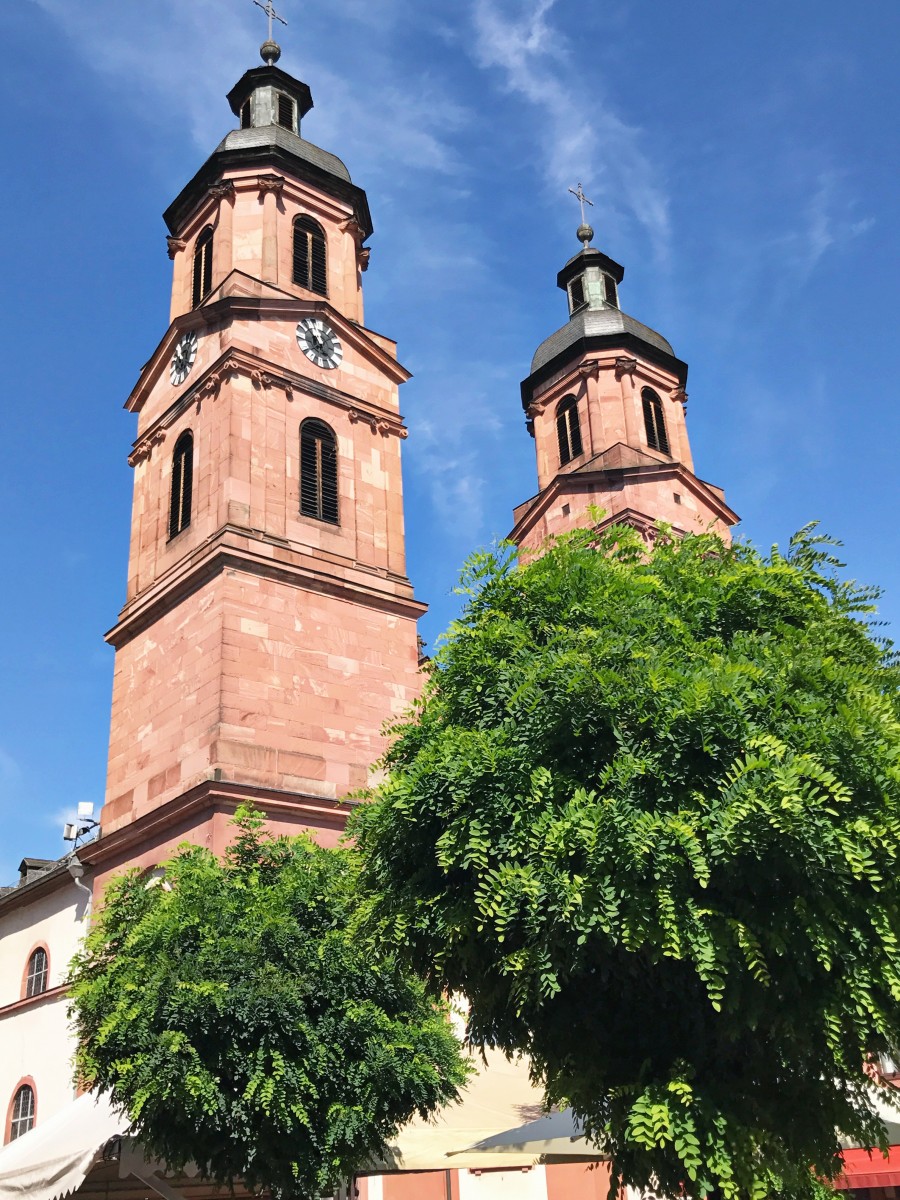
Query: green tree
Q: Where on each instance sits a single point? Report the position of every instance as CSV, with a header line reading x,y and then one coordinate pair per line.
x,y
646,818
241,1026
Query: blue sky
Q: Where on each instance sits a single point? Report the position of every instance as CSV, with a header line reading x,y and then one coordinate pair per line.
x,y
743,164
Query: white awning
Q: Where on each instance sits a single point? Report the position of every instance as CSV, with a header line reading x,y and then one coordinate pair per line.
x,y
52,1160
557,1136
496,1123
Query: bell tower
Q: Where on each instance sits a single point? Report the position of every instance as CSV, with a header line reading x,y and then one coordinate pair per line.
x,y
605,403
269,628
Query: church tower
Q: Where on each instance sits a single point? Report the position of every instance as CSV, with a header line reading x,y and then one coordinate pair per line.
x,y
605,403
269,628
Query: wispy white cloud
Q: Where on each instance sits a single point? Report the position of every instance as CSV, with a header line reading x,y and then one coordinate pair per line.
x,y
827,221
578,141
177,59
453,429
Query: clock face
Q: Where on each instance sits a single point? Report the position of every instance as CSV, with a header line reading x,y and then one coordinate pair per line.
x,y
319,343
183,358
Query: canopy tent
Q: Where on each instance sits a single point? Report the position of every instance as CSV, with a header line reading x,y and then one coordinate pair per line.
x,y
496,1123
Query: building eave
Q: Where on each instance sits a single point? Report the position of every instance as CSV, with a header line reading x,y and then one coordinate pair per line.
x,y
267,156
586,345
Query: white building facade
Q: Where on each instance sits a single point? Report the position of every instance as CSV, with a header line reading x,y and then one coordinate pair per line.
x,y
42,922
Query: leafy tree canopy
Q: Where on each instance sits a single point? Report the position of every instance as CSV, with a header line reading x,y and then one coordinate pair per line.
x,y
242,1028
647,819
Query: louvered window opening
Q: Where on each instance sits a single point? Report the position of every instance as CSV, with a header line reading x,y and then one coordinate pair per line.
x,y
285,111
309,256
609,288
203,252
182,485
245,115
36,979
655,421
22,1113
318,472
568,430
576,293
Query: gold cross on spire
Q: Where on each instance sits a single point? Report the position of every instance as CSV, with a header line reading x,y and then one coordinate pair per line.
x,y
579,194
269,9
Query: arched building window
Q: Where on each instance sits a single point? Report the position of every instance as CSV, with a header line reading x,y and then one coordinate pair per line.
x,y
318,471
22,1112
309,256
37,973
203,252
182,484
568,430
655,421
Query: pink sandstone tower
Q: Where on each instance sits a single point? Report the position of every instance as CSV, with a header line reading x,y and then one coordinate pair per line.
x,y
269,628
605,403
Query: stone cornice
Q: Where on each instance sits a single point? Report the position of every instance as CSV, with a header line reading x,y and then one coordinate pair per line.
x,y
232,548
233,308
54,993
620,365
236,362
112,849
573,482
613,345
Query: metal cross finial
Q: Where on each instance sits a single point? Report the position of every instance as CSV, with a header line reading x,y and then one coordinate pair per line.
x,y
269,9
579,195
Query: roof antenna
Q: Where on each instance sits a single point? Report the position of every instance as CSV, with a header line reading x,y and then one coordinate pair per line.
x,y
270,50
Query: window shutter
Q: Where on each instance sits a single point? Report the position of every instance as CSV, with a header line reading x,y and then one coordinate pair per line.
x,y
182,484
203,251
574,431
576,293
609,289
301,256
318,278
310,265
285,111
654,421
318,472
568,430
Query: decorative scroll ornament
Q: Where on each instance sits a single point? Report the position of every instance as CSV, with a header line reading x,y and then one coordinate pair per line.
x,y
146,446
223,190
365,253
680,396
175,245
379,424
625,366
270,183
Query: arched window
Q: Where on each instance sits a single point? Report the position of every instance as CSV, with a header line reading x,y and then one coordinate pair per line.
x,y
568,430
318,472
182,484
203,252
655,421
22,1112
36,976
309,256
